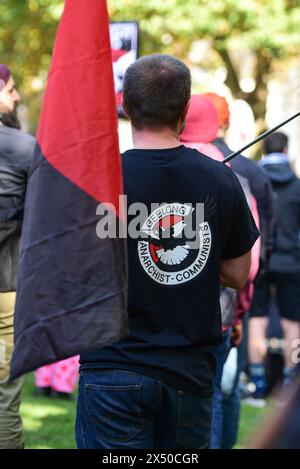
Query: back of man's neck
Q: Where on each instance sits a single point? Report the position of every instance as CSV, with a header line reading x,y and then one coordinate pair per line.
x,y
154,140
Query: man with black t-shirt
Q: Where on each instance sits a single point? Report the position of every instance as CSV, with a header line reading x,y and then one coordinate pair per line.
x,y
154,389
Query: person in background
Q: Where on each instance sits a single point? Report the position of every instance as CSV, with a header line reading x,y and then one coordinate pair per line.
x,y
57,380
201,129
259,183
262,191
283,276
16,153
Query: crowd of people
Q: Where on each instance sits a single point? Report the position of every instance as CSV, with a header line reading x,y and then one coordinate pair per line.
x,y
166,384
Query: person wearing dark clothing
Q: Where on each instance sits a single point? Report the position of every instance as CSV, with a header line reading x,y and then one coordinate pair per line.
x,y
154,389
16,152
284,266
259,183
262,191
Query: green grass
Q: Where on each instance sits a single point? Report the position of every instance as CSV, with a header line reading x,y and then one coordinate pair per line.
x,y
49,423
250,418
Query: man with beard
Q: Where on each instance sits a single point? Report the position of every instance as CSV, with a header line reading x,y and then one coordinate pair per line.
x,y
16,152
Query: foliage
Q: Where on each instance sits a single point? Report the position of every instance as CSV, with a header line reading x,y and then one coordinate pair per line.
x,y
27,31
267,28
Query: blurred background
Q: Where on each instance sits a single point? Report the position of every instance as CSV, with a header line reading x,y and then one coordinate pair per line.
x,y
248,50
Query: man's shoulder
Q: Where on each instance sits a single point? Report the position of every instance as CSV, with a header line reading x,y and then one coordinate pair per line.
x,y
15,137
249,167
189,156
26,138
18,143
192,165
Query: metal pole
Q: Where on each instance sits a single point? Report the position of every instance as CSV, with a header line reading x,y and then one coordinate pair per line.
x,y
259,138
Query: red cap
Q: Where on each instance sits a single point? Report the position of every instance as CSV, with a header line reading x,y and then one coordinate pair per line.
x,y
4,76
202,121
221,106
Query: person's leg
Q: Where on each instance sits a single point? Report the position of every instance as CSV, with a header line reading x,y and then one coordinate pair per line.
x,y
11,435
291,330
257,345
288,291
231,417
257,350
217,421
185,420
232,402
116,409
257,339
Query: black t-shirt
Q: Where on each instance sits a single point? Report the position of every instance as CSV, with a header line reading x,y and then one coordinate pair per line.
x,y
174,279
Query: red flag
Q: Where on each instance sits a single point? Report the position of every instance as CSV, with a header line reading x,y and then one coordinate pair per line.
x,y
72,285
79,112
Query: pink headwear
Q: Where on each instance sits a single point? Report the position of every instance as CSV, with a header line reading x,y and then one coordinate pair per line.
x,y
202,121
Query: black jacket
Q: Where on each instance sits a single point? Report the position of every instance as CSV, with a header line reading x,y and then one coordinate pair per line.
x,y
262,190
16,152
286,186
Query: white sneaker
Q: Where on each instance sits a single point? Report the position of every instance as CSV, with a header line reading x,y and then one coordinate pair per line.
x,y
260,403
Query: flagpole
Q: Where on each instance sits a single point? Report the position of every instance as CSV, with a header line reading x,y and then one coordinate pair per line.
x,y
259,138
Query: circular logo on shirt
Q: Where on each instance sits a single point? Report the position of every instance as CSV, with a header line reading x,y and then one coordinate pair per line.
x,y
166,254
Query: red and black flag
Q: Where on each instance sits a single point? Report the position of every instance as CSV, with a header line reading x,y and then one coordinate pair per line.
x,y
71,294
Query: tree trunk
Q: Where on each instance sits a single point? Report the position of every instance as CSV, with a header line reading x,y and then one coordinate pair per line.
x,y
257,99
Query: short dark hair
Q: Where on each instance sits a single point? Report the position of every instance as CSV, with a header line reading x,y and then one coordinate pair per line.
x,y
157,88
275,143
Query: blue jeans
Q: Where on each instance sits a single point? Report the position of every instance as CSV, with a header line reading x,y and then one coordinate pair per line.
x,y
232,403
220,354
119,409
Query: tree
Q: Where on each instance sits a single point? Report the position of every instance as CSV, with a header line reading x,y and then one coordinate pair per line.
x,y
268,30
27,31
264,30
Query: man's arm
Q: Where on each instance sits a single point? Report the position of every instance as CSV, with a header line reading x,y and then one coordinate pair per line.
x,y
234,272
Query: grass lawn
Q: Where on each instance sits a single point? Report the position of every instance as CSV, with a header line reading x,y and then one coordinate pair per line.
x,y
49,423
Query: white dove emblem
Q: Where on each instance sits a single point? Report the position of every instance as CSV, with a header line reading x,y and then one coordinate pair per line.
x,y
176,255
